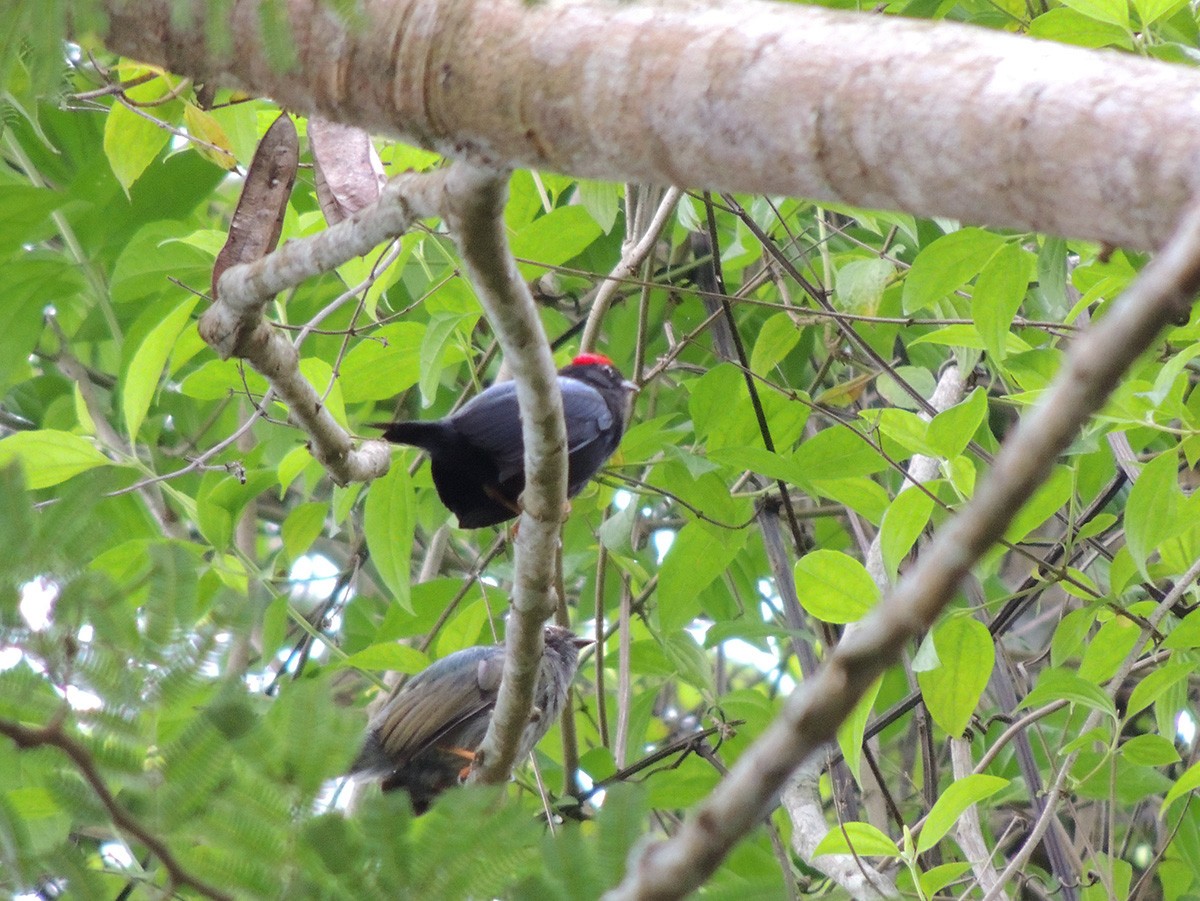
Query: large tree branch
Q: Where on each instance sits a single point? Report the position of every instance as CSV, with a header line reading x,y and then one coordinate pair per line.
x,y
875,111
1094,365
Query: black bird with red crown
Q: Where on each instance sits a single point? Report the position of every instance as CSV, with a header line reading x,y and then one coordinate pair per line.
x,y
477,454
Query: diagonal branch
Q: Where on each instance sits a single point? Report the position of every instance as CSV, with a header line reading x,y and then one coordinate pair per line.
x,y
54,736
473,207
1094,366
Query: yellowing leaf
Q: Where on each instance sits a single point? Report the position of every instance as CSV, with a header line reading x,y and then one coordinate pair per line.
x,y
216,147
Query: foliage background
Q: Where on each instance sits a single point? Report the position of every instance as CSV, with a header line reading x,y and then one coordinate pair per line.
x,y
218,694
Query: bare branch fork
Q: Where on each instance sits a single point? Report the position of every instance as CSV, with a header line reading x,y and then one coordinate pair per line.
x,y
1093,367
234,324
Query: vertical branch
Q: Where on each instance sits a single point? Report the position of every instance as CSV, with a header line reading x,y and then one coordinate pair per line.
x,y
473,206
632,257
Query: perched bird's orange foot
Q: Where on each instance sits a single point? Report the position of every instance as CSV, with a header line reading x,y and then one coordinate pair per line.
x,y
469,756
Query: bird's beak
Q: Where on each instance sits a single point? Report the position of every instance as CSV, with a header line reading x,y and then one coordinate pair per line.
x,y
581,643
629,386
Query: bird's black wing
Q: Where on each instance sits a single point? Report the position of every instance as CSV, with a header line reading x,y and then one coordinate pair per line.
x,y
492,422
588,416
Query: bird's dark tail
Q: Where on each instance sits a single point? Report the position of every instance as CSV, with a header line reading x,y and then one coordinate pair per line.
x,y
372,760
427,435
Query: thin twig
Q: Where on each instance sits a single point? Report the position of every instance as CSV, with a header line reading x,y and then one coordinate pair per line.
x,y
53,736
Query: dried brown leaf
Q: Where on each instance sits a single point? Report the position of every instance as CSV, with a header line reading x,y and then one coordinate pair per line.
x,y
258,220
348,171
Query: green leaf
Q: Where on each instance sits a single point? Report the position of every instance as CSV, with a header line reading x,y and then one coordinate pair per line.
x,y
435,346
1105,653
776,339
850,732
837,453
1152,514
1184,785
1070,634
1052,274
1070,27
758,459
302,527
387,655
320,375
917,378
1046,501
1186,635
937,878
131,142
998,293
28,282
1115,12
907,429
553,239
952,690
602,199
25,217
146,367
863,838
966,336
953,803
294,462
1156,683
860,494
389,523
859,285
696,558
151,258
1150,11
218,379
946,265
49,457
463,629
902,525
1169,374
688,659
711,397
952,430
1149,750
385,366
1060,685
834,587
275,623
